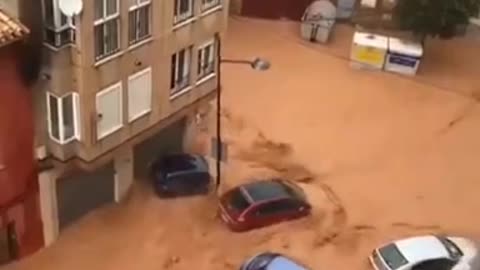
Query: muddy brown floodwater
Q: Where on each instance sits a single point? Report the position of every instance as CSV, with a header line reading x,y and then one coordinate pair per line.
x,y
376,154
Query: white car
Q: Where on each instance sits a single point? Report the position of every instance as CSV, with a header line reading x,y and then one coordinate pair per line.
x,y
427,253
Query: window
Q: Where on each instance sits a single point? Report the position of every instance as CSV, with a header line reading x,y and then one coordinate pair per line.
x,y
139,94
139,17
180,74
208,4
109,110
438,264
107,28
59,30
63,117
454,251
206,59
183,9
392,256
237,201
270,208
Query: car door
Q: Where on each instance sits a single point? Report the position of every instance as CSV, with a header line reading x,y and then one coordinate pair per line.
x,y
293,209
269,213
438,264
195,183
174,184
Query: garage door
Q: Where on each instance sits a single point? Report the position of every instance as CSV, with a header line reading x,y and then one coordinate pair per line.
x,y
82,192
170,139
275,9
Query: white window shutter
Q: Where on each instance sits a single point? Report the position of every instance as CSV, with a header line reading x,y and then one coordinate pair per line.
x,y
139,94
109,109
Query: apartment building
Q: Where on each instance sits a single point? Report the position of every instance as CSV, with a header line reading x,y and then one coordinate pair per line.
x,y
122,83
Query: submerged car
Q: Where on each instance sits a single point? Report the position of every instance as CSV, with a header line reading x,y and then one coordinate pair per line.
x,y
271,261
262,203
426,253
177,175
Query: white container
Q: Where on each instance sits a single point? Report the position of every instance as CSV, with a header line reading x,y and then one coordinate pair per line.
x,y
318,20
403,56
368,50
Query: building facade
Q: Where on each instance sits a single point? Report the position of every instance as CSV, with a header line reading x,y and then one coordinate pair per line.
x,y
20,221
121,84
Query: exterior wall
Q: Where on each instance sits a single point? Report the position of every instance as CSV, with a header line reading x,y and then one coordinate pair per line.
x,y
48,205
16,158
11,6
89,77
235,7
18,180
25,216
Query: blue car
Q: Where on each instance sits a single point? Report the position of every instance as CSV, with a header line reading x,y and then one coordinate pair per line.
x,y
177,175
271,261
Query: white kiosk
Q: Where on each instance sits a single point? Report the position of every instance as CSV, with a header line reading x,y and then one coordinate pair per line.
x,y
368,51
403,56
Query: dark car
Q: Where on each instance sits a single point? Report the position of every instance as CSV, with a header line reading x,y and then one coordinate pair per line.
x,y
180,175
271,261
262,203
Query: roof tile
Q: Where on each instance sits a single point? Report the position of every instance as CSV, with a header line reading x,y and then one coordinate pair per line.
x,y
11,29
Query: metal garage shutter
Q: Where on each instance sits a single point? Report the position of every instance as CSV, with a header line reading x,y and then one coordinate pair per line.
x,y
82,192
169,139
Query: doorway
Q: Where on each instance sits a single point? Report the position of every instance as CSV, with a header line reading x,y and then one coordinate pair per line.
x,y
8,244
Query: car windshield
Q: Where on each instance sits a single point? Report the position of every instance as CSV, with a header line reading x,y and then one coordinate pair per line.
x,y
452,249
283,263
238,201
293,190
392,256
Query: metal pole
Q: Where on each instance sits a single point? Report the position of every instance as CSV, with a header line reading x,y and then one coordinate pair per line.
x,y
234,61
219,114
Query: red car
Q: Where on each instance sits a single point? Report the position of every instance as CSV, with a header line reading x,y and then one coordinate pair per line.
x,y
262,203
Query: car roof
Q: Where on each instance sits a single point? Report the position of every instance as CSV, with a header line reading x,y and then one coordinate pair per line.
x,y
284,263
178,163
265,190
421,248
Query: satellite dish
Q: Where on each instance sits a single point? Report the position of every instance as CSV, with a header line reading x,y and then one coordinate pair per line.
x,y
70,8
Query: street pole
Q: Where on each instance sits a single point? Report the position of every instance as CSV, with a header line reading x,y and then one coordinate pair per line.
x,y
257,64
219,113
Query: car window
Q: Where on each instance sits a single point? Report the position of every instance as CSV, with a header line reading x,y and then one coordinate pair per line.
x,y
238,201
392,256
290,205
284,263
293,190
270,208
440,264
454,251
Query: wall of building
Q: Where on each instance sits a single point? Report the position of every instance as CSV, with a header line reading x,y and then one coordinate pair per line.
x,y
18,179
16,129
